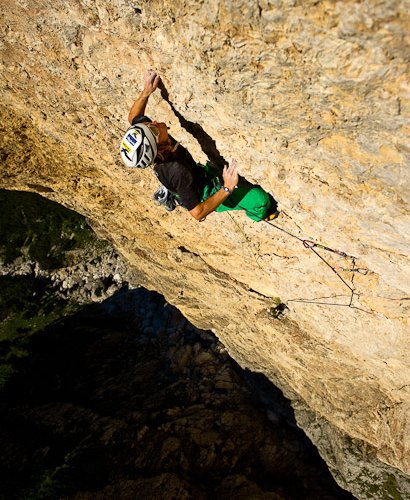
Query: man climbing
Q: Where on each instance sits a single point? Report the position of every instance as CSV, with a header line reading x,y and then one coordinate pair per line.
x,y
197,188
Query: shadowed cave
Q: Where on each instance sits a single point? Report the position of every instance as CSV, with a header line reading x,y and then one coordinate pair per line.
x,y
113,404
127,399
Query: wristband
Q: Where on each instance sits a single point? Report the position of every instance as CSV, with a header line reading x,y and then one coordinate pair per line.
x,y
227,190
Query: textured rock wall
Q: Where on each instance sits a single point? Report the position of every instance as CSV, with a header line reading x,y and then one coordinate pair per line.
x,y
312,98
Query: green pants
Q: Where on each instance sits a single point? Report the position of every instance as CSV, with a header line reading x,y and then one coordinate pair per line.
x,y
253,199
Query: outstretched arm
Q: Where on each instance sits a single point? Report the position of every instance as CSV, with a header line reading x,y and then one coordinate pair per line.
x,y
230,177
151,81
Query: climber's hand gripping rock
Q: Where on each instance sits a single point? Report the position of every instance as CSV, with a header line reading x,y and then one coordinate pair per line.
x,y
230,175
151,81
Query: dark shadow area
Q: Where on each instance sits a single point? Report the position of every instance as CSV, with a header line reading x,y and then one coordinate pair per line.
x,y
126,399
208,145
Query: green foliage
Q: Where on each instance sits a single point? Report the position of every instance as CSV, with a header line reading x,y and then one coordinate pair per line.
x,y
27,305
390,488
6,371
39,229
49,487
42,231
76,465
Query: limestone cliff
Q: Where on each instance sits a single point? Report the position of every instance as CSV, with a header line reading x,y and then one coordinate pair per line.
x,y
313,98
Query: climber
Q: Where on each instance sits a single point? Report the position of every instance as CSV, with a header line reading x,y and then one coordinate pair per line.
x,y
197,188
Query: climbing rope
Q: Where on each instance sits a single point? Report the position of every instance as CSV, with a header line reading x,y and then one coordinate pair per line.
x,y
312,245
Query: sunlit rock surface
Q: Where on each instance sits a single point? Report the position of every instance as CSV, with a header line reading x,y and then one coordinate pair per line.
x,y
312,98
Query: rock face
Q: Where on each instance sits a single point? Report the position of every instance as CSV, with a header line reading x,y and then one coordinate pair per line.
x,y
313,98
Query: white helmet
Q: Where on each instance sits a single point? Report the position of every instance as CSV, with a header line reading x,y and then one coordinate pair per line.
x,y
138,147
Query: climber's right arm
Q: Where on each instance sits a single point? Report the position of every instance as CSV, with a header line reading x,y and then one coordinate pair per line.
x,y
231,179
209,205
151,81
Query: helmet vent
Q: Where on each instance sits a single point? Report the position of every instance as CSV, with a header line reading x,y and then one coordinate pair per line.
x,y
138,148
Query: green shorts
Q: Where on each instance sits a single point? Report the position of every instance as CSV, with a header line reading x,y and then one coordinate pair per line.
x,y
253,199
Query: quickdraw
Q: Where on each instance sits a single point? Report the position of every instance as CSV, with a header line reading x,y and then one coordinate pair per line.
x,y
311,245
361,270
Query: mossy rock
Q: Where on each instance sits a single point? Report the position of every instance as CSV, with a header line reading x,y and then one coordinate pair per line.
x,y
40,230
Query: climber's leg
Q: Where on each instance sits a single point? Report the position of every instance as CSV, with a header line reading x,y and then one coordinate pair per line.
x,y
256,202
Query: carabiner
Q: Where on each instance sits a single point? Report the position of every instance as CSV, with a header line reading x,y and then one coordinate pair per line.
x,y
311,245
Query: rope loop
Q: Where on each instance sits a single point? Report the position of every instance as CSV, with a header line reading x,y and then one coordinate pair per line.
x,y
309,244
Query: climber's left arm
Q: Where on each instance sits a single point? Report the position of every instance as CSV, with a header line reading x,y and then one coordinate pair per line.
x,y
151,81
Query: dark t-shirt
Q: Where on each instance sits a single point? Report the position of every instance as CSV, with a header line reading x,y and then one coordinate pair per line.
x,y
181,176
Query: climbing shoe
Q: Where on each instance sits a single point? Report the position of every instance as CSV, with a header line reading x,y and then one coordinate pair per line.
x,y
272,216
165,198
